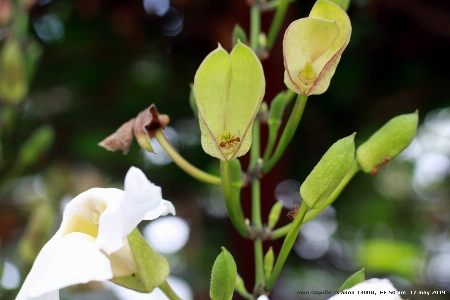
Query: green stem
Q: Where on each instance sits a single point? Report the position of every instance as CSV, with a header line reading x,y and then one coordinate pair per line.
x,y
167,290
276,23
312,213
255,25
288,132
236,218
184,164
287,246
256,205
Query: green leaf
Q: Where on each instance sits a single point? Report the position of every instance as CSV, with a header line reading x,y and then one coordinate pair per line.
x,y
228,90
328,173
153,267
13,72
388,142
390,256
36,145
223,277
353,280
239,35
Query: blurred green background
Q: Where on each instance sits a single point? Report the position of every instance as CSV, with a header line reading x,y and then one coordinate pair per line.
x,y
102,62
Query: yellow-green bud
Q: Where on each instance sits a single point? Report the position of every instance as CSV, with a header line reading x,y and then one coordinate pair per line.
x,y
328,173
386,143
274,214
269,259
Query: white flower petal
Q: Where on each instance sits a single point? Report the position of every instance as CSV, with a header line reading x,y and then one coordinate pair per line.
x,y
79,214
123,262
39,267
62,262
75,259
381,287
116,223
263,297
165,207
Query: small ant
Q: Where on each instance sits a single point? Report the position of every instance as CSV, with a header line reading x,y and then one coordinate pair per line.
x,y
293,213
230,140
374,172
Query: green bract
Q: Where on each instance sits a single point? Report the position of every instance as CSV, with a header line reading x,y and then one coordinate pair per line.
x,y
223,277
313,46
328,173
228,90
387,142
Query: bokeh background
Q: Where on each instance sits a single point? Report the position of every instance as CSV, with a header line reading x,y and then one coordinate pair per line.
x,y
102,62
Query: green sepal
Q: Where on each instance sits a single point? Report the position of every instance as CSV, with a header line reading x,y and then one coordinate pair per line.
x,y
344,4
153,268
228,91
192,102
388,142
223,277
269,259
238,35
328,173
274,214
36,145
353,280
132,282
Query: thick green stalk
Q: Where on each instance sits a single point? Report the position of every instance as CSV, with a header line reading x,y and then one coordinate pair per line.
x,y
288,133
312,213
287,246
236,217
255,26
184,164
167,290
276,23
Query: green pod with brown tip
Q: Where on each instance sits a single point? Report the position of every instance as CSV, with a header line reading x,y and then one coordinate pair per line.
x,y
388,142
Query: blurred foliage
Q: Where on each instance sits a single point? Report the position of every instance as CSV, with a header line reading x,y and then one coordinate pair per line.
x,y
104,61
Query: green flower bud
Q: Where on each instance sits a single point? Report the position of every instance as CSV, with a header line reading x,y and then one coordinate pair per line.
x,y
269,259
274,214
328,173
313,46
223,277
228,89
239,35
240,286
385,144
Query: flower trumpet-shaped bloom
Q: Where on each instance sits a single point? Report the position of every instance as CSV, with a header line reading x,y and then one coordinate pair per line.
x,y
313,46
228,90
92,244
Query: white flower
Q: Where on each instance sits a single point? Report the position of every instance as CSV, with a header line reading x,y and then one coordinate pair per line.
x,y
91,243
263,297
381,288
